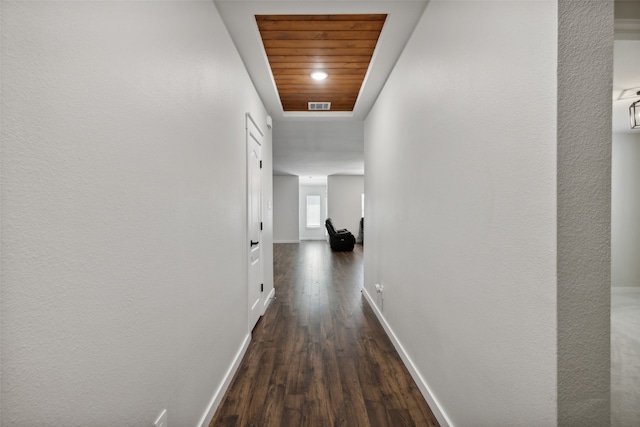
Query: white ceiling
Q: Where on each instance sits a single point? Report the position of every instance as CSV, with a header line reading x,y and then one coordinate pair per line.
x,y
318,147
321,144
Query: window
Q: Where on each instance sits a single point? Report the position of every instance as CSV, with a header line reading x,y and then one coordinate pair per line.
x,y
313,211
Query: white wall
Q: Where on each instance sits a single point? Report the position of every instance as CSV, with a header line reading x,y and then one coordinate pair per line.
x,y
286,208
124,241
625,210
470,289
312,233
344,201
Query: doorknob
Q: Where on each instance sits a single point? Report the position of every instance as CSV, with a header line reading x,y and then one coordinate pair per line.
x,y
254,243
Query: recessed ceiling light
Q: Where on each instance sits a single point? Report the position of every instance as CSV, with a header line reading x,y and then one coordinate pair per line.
x,y
319,75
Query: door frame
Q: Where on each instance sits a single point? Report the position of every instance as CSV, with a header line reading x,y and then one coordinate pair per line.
x,y
250,121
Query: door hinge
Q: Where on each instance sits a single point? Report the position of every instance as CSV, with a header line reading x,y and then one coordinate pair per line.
x,y
261,287
260,226
260,164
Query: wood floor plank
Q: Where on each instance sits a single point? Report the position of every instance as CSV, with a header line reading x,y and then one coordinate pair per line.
x,y
319,356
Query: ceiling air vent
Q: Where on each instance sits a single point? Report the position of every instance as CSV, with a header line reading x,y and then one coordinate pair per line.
x,y
319,106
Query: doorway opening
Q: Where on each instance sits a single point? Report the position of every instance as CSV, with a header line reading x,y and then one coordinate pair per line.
x,y
625,223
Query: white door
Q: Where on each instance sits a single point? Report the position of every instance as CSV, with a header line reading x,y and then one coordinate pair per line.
x,y
254,206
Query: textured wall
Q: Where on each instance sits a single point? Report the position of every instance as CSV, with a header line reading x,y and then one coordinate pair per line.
x,y
286,209
461,208
345,201
585,60
123,211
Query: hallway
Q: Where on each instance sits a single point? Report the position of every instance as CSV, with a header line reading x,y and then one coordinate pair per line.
x,y
319,356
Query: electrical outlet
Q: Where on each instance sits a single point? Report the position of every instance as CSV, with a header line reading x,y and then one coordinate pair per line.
x,y
162,419
379,288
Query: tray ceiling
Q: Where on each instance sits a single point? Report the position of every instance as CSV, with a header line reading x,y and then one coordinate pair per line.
x,y
240,19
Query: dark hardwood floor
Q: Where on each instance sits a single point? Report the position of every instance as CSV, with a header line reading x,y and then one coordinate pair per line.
x,y
319,356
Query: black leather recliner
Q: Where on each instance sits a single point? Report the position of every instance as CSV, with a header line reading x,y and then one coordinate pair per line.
x,y
340,240
360,238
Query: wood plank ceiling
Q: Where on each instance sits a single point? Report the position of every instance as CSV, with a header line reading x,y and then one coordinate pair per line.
x,y
340,45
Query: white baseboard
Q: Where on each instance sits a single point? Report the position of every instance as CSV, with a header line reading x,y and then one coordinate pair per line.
x,y
313,238
270,298
415,374
219,393
286,241
625,288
